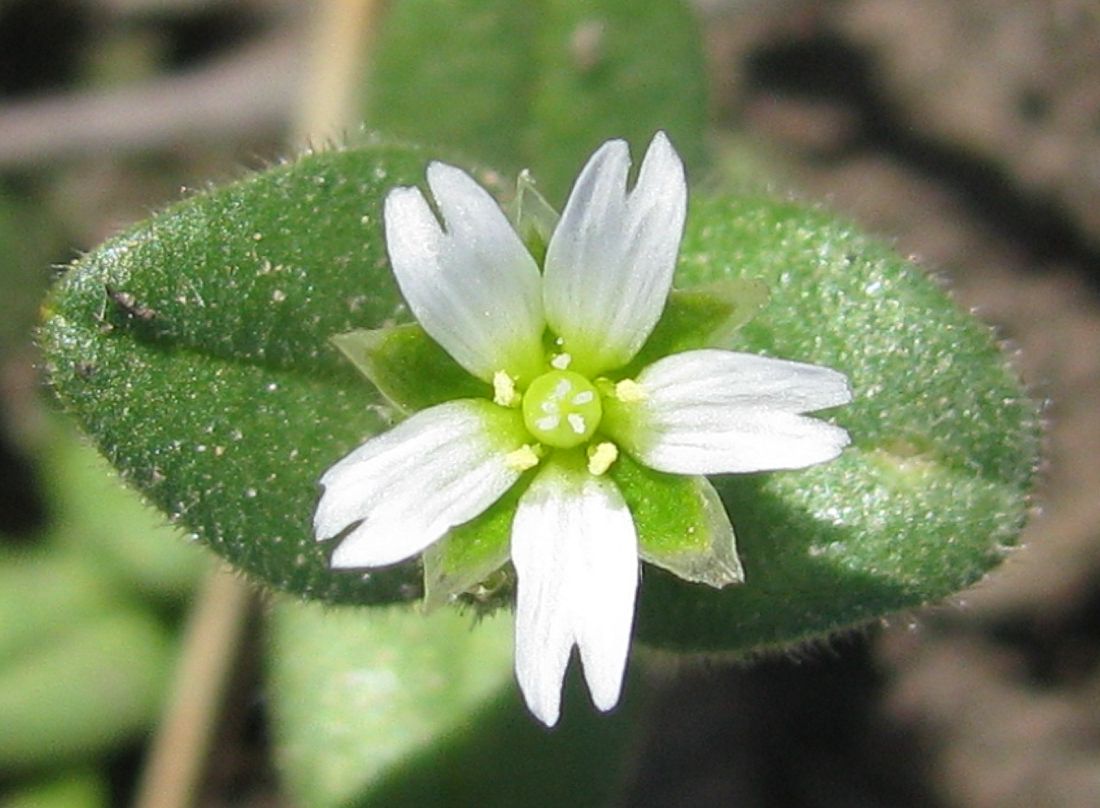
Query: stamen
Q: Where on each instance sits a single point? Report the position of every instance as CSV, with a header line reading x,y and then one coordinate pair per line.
x,y
561,361
522,458
629,391
576,422
601,456
584,398
504,390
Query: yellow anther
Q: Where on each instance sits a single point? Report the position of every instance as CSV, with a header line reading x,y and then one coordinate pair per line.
x,y
601,456
523,458
629,391
504,390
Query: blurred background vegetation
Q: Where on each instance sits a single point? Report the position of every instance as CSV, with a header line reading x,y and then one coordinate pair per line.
x,y
968,132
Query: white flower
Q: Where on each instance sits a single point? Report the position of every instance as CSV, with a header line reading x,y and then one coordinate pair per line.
x,y
478,292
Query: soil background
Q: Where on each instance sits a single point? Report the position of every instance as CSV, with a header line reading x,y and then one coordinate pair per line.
x,y
965,131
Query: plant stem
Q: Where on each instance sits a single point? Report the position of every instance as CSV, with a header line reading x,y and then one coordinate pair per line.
x,y
329,104
181,745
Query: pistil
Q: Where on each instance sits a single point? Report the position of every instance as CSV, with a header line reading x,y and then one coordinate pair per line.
x,y
562,409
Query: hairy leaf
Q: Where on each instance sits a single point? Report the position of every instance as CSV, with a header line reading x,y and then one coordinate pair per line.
x,y
196,350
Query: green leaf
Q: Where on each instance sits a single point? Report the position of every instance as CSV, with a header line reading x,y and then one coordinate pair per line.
x,y
29,239
408,367
195,351
702,317
213,386
540,84
682,525
455,74
83,789
96,519
614,69
390,707
86,691
945,442
469,554
41,593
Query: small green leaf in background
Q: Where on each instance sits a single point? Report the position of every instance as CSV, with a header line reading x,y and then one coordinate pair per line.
x,y
539,84
390,707
90,688
614,69
101,549
96,519
84,655
76,790
27,241
455,74
42,594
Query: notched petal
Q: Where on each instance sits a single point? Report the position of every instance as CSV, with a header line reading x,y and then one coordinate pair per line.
x,y
470,282
744,381
574,548
464,561
404,489
714,412
610,261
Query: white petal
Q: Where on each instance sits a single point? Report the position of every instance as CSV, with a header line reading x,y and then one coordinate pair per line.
x,y
474,287
575,551
710,412
409,486
609,263
744,380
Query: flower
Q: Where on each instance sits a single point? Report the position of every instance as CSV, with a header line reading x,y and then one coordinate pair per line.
x,y
550,343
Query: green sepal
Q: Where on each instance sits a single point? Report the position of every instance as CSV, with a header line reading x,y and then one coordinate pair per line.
x,y
408,367
85,690
464,561
681,522
701,317
534,218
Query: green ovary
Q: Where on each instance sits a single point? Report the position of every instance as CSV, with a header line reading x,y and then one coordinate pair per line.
x,y
562,409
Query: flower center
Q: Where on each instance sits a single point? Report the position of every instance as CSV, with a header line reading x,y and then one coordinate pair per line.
x,y
562,409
